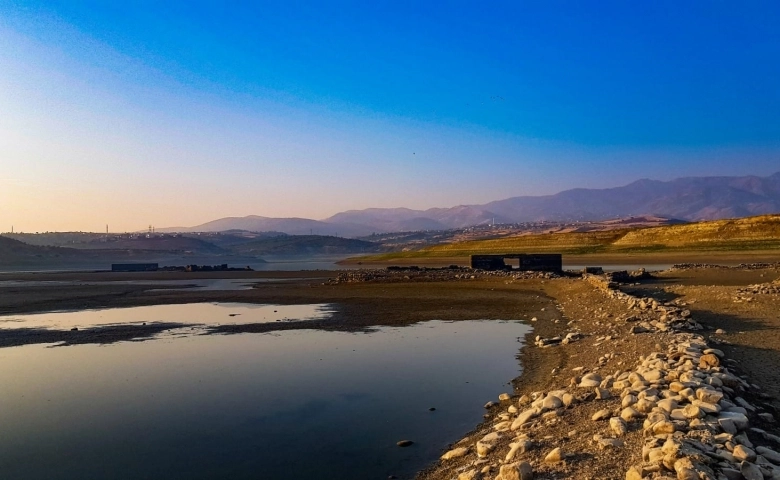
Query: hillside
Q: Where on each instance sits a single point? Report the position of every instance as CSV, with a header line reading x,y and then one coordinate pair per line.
x,y
16,252
304,245
753,233
165,243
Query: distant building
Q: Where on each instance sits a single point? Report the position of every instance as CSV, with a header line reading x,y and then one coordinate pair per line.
x,y
134,267
538,262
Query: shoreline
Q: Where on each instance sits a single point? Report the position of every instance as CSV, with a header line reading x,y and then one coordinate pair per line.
x,y
561,305
563,440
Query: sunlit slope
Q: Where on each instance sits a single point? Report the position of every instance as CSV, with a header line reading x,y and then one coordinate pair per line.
x,y
752,233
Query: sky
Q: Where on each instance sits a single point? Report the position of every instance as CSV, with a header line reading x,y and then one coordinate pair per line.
x,y
177,113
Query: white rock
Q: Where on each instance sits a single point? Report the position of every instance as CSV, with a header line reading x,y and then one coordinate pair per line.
x,y
554,456
455,453
523,418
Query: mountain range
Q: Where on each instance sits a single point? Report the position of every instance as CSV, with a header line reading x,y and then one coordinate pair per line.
x,y
689,198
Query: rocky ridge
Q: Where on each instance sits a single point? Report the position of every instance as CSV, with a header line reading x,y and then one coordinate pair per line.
x,y
681,411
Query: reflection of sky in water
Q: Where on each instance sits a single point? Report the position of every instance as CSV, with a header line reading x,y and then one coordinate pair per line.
x,y
283,405
188,314
197,284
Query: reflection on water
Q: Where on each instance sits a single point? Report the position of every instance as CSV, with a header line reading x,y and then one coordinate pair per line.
x,y
292,404
199,284
199,314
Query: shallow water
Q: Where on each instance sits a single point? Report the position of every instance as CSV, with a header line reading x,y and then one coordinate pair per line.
x,y
231,284
195,314
292,404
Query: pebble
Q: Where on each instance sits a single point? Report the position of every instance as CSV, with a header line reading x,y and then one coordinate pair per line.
x,y
554,456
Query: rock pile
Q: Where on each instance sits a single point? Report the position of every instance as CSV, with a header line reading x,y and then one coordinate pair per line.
x,y
761,289
679,412
426,274
649,315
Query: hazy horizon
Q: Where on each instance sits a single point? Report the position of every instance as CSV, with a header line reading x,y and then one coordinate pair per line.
x,y
179,114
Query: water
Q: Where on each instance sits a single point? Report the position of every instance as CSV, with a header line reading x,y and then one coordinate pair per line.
x,y
193,314
199,284
291,404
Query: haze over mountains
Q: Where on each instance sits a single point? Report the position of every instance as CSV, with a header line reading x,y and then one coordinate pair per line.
x,y
690,198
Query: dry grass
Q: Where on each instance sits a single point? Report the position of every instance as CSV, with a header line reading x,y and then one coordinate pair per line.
x,y
744,234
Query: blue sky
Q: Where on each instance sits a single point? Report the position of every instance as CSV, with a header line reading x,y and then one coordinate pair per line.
x,y
176,113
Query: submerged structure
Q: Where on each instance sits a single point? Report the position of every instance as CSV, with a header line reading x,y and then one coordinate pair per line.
x,y
537,262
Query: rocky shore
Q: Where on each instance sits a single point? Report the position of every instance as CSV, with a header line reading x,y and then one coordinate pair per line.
x,y
639,392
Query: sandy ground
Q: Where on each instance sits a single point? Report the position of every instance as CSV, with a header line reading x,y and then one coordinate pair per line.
x,y
751,323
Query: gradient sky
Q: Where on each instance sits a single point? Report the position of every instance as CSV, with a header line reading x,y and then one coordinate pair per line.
x,y
177,113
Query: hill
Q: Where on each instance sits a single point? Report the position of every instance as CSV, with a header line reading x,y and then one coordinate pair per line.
x,y
690,199
290,226
753,233
304,245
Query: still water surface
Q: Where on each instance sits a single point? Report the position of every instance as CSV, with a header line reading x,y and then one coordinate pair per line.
x,y
291,404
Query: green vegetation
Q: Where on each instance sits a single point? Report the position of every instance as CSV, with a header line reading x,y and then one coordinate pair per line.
x,y
752,233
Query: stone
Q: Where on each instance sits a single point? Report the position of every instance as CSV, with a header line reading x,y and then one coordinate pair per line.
x,y
742,453
469,475
750,471
709,360
455,453
692,411
524,418
667,404
603,394
551,403
602,414
590,380
685,469
709,395
554,456
609,443
644,405
728,425
618,426
769,454
484,448
405,443
504,397
740,419
516,471
629,414
520,446
628,400
635,473
664,427
731,474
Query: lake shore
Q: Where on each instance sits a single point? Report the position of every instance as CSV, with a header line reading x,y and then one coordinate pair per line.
x,y
558,305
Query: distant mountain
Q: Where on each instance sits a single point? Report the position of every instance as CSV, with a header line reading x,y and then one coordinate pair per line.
x,y
691,198
290,226
305,245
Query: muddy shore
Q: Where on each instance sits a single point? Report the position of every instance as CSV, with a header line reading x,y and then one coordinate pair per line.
x,y
716,298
